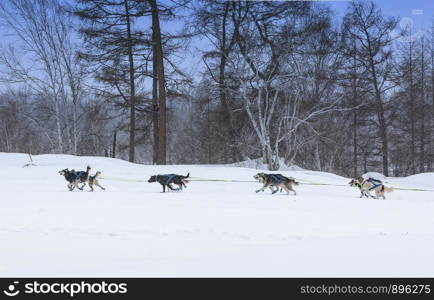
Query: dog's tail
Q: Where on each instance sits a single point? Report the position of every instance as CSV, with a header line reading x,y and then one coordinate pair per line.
x,y
387,189
293,181
183,178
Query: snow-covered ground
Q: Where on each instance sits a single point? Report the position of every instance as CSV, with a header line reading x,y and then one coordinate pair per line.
x,y
209,229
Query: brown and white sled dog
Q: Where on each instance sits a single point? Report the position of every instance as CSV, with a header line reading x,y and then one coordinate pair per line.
x,y
370,184
275,182
93,180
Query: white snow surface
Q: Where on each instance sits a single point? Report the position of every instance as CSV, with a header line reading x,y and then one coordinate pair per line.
x,y
211,229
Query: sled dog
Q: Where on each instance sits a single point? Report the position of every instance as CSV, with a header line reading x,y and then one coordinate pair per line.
x,y
275,182
75,177
370,184
168,179
93,180
71,178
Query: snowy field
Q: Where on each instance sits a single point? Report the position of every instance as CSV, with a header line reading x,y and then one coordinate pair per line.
x,y
211,228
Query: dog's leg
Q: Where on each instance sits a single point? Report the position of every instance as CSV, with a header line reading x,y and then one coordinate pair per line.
x,y
98,185
364,193
274,191
262,189
76,185
288,189
380,195
285,188
171,187
164,188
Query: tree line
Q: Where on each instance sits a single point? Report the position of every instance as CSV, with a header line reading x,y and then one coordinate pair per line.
x,y
282,83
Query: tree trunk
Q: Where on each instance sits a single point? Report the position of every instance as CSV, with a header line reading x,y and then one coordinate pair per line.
x,y
132,84
58,126
224,51
355,101
114,144
380,114
74,129
154,102
365,162
412,117
208,132
317,157
432,95
422,111
355,144
158,47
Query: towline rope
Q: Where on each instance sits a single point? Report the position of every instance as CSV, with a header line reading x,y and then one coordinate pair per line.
x,y
122,179
303,182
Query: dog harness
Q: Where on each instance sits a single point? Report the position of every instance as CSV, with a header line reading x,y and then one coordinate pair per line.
x,y
277,178
169,178
376,183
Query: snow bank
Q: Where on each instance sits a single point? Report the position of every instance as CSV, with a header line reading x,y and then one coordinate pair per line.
x,y
259,165
209,229
374,175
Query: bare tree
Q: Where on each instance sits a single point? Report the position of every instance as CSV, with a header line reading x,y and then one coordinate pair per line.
x,y
114,47
45,32
366,25
159,67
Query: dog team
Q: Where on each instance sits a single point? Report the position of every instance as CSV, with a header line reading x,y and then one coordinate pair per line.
x,y
274,182
76,177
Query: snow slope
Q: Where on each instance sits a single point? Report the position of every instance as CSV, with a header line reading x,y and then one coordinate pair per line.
x,y
211,228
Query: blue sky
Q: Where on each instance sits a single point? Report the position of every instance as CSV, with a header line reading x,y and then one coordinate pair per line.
x,y
420,11
417,12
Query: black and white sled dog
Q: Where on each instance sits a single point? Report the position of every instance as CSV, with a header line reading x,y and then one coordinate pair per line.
x,y
275,182
93,180
370,184
168,179
75,177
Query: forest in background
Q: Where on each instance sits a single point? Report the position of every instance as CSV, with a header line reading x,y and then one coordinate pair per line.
x,y
284,82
